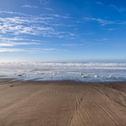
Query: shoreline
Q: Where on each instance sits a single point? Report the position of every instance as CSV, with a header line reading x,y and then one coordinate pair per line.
x,y
61,81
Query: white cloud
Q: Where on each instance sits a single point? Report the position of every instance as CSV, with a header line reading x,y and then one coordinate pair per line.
x,y
13,13
26,25
46,25
16,44
12,44
100,21
18,39
104,22
7,50
47,49
29,6
29,50
73,44
7,44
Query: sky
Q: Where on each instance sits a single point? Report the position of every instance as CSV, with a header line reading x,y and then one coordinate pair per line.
x,y
62,30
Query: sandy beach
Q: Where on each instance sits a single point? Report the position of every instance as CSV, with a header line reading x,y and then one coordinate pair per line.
x,y
62,103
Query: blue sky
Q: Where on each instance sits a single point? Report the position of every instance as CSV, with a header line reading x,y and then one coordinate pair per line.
x,y
62,29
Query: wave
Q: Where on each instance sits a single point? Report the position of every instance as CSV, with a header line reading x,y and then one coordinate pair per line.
x,y
64,71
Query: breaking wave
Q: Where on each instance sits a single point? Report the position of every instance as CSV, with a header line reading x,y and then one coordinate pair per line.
x,y
82,71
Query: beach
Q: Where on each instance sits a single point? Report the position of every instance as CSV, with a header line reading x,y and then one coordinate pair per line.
x,y
62,103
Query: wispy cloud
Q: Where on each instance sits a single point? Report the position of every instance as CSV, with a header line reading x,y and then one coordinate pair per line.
x,y
13,13
16,44
117,8
44,2
49,9
29,50
44,25
12,44
19,31
23,25
19,39
16,41
104,22
99,3
8,50
29,6
43,49
100,21
73,44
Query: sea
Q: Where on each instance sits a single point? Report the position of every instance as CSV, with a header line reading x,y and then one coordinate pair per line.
x,y
78,71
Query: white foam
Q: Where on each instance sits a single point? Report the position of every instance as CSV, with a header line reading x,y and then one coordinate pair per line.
x,y
64,71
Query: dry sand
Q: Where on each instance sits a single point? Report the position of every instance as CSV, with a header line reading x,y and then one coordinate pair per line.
x,y
63,103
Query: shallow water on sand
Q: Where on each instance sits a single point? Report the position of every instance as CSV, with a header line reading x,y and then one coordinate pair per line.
x,y
84,71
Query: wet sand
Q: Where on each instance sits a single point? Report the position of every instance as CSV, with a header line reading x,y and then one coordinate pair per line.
x,y
62,103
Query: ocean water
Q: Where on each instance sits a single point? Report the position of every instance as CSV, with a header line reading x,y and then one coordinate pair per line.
x,y
81,71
